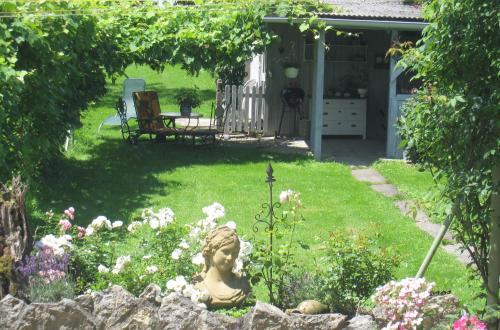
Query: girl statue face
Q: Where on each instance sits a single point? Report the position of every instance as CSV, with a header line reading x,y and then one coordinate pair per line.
x,y
224,258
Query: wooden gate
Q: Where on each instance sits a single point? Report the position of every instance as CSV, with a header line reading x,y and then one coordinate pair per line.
x,y
247,112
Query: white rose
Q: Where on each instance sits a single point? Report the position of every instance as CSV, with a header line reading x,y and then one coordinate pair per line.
x,y
133,226
184,245
176,254
171,284
117,224
198,259
188,291
151,269
102,269
89,231
146,257
231,224
154,223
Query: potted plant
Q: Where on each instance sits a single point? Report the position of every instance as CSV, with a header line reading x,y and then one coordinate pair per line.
x,y
187,98
290,63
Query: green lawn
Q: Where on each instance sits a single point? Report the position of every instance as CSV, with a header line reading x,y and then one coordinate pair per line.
x,y
103,175
415,184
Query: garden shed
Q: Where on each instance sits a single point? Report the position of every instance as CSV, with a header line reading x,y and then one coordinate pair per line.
x,y
351,88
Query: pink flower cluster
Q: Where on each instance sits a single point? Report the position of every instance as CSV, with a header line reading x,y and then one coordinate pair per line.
x,y
403,302
466,323
51,275
64,223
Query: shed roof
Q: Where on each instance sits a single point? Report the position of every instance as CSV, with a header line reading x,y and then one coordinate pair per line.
x,y
375,10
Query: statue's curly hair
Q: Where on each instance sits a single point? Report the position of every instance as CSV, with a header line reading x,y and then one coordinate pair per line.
x,y
216,239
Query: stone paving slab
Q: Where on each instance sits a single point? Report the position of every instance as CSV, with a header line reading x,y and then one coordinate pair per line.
x,y
385,189
368,175
409,209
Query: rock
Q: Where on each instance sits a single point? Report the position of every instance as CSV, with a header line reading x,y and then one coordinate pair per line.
x,y
178,312
11,309
116,308
86,302
152,294
331,321
265,316
361,322
66,314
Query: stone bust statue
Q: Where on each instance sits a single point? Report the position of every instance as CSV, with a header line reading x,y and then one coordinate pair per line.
x,y
220,251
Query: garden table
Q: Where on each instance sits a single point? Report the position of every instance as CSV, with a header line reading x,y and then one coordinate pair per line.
x,y
173,116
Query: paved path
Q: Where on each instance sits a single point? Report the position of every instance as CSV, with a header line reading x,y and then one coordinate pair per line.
x,y
409,209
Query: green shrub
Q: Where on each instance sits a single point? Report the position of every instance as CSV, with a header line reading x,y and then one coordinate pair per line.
x,y
43,291
299,286
355,268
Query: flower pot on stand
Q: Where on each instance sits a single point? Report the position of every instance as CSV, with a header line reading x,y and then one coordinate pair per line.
x,y
185,110
291,72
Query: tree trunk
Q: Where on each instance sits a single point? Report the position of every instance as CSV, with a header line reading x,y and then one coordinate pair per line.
x,y
14,233
494,257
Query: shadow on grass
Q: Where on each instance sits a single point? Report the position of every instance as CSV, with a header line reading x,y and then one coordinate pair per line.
x,y
121,177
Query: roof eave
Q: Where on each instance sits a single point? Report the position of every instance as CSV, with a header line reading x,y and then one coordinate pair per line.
x,y
353,23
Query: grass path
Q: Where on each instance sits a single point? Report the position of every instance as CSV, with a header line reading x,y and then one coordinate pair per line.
x,y
102,175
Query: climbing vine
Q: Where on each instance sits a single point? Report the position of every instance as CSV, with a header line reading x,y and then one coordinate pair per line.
x,y
55,57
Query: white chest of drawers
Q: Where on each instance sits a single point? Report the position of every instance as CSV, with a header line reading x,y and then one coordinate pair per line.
x,y
344,117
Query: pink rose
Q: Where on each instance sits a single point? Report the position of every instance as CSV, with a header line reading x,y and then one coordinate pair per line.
x,y
64,224
81,232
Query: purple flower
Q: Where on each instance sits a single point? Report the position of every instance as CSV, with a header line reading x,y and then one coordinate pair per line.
x,y
45,264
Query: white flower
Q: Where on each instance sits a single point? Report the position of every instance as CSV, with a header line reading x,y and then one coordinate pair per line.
x,y
146,257
133,226
154,223
102,269
176,254
165,216
194,232
285,195
198,259
202,305
198,296
188,291
101,222
120,264
245,250
117,224
151,269
177,285
184,245
56,244
237,266
231,224
214,211
89,231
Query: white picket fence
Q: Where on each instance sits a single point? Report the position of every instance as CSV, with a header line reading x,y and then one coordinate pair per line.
x,y
247,112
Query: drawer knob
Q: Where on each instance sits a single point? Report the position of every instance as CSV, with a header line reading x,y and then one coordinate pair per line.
x,y
354,113
325,113
327,102
352,102
339,123
325,125
353,125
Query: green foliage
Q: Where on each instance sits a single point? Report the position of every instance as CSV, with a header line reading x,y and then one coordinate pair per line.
x,y
355,267
188,96
42,291
151,248
274,258
54,57
453,121
299,286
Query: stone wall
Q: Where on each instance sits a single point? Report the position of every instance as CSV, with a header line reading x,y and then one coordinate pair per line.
x,y
116,308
